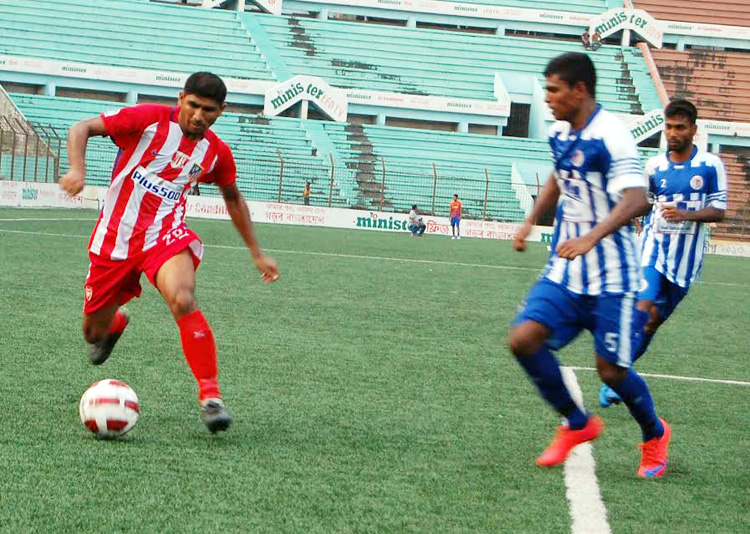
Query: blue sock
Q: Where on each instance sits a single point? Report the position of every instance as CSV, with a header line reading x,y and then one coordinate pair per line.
x,y
544,371
635,394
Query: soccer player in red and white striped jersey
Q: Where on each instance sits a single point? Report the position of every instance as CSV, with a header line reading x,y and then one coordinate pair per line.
x,y
164,150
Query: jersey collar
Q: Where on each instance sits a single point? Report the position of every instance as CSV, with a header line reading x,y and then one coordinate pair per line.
x,y
685,163
596,111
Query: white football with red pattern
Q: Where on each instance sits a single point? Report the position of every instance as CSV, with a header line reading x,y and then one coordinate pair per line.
x,y
109,408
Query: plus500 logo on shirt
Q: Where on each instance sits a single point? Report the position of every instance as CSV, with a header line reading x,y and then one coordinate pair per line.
x,y
154,184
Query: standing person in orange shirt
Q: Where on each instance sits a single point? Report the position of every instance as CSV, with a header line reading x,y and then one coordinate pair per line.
x,y
455,218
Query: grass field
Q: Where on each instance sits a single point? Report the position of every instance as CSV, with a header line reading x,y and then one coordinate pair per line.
x,y
370,394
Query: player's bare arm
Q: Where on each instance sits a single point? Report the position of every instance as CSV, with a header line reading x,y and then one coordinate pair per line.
x,y
237,208
707,214
546,200
633,203
73,181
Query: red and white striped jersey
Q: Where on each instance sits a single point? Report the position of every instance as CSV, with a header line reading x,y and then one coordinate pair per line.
x,y
153,172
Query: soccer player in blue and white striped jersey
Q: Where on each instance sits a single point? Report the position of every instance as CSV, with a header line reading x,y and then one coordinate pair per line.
x,y
594,271
689,188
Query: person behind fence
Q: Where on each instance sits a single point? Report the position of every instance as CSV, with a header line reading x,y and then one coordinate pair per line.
x,y
306,193
455,212
416,223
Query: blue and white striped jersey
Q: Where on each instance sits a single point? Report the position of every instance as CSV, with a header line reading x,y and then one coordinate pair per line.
x,y
592,168
676,249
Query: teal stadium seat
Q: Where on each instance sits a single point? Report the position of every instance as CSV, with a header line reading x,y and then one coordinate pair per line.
x,y
460,161
122,33
439,63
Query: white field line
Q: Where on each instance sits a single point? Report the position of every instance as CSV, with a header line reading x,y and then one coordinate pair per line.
x,y
587,512
677,377
337,255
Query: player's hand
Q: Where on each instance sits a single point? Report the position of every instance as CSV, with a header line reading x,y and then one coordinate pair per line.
x,y
519,240
72,183
269,270
572,248
672,214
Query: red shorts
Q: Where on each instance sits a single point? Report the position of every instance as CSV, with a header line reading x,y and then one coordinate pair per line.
x,y
115,282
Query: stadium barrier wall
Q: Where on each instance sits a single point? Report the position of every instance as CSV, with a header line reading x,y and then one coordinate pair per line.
x,y
48,195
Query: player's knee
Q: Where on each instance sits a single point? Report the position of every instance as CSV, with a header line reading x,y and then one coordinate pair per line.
x,y
182,302
610,373
522,342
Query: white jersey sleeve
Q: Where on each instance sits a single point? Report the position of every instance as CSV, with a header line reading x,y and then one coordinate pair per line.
x,y
717,185
625,165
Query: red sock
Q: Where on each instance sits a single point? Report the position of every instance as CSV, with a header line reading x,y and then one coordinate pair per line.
x,y
119,322
200,353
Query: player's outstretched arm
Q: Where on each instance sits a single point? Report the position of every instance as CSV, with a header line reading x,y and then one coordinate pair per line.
x,y
545,201
240,215
633,203
73,181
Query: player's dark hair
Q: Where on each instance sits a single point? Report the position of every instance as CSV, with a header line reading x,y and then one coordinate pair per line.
x,y
684,108
574,67
455,195
206,85
414,207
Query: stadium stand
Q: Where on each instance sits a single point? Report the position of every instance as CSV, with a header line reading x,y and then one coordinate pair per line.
x,y
259,145
725,12
717,81
131,34
419,61
376,167
736,223
474,166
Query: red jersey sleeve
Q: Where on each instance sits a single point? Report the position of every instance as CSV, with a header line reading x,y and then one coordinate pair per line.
x,y
224,170
126,125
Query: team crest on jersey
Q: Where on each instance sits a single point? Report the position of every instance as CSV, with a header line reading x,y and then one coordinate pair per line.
x,y
179,160
88,292
696,182
195,172
578,158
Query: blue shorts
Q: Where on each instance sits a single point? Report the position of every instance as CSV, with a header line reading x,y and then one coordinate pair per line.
x,y
455,221
665,294
613,319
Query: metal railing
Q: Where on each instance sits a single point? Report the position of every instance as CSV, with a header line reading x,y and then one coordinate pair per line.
x,y
28,152
36,152
381,185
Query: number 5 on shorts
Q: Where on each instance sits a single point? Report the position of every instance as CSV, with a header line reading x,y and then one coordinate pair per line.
x,y
610,341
